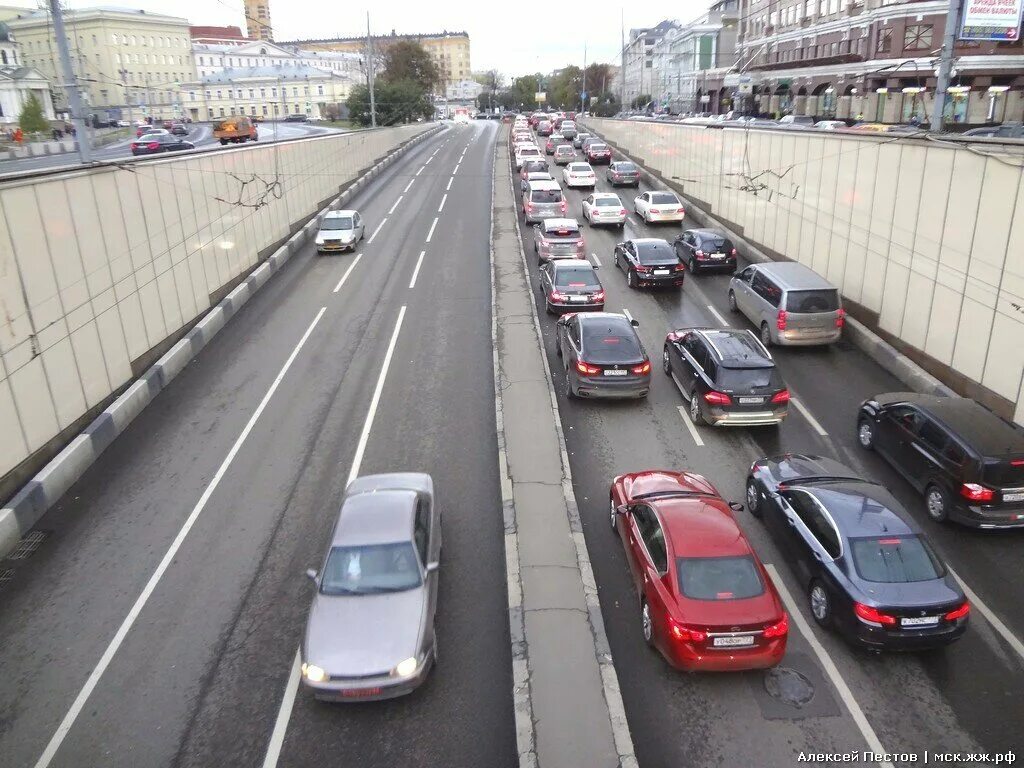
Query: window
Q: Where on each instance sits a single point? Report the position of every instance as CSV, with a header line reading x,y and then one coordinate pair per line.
x,y
807,509
719,578
252,93
113,39
917,37
221,111
264,109
766,289
319,90
192,95
295,91
210,113
232,110
263,93
895,559
932,436
133,39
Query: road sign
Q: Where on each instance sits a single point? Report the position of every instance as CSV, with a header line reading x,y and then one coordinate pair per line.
x,y
991,19
583,95
540,97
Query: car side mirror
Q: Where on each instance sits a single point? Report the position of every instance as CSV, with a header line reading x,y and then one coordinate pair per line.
x,y
737,274
622,509
735,506
596,266
312,575
634,322
431,567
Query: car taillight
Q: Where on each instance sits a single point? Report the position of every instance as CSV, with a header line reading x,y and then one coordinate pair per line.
x,y
717,398
780,320
686,634
680,267
680,210
153,145
599,296
529,206
840,318
587,370
580,246
562,206
556,296
975,492
781,397
622,212
733,252
873,615
639,370
778,629
642,268
959,613
699,254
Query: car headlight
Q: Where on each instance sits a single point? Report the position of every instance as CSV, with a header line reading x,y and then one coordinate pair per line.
x,y
406,668
315,674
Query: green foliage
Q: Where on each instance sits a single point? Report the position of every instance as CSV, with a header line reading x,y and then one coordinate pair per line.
x,y
32,119
401,101
640,101
524,90
565,88
408,61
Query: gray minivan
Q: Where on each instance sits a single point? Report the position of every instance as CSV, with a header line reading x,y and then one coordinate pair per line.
x,y
790,303
543,200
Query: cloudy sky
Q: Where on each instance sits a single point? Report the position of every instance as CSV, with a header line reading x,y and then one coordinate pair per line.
x,y
513,38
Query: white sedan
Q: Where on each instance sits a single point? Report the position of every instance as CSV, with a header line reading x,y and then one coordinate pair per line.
x,y
527,153
604,208
579,175
658,206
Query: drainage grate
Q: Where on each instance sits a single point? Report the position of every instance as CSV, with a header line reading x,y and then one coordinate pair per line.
x,y
28,545
6,576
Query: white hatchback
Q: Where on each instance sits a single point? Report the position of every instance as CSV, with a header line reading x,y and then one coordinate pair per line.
x,y
579,175
604,208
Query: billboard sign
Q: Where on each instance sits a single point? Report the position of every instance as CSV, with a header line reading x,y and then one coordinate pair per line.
x,y
540,97
991,19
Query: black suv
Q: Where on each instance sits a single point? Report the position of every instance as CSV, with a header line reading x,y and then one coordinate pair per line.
x,y
968,462
727,375
704,249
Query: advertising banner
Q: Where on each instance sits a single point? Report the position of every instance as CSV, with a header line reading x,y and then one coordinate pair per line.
x,y
991,19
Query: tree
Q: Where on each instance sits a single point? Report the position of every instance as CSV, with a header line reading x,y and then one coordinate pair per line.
x,y
401,101
524,91
566,86
407,60
598,80
32,119
640,101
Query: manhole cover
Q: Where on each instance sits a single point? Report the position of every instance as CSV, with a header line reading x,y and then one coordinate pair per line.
x,y
788,686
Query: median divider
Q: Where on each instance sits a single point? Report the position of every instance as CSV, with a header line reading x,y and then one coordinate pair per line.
x,y
19,515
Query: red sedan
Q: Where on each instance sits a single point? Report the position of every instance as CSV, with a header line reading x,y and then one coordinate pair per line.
x,y
706,601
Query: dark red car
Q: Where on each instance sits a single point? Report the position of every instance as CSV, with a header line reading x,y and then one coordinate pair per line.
x,y
706,601
598,153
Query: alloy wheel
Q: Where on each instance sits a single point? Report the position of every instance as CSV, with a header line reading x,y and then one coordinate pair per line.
x,y
665,364
935,503
753,497
694,408
648,627
611,505
820,607
866,434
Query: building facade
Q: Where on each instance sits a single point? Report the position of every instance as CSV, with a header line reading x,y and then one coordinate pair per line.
x,y
122,58
217,35
636,75
211,58
870,59
257,20
463,90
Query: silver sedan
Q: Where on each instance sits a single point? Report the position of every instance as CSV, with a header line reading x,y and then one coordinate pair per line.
x,y
370,631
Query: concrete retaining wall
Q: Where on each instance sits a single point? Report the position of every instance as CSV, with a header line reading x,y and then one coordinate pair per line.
x,y
924,238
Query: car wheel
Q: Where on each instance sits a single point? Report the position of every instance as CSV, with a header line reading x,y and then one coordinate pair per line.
x,y
693,266
631,280
766,335
611,506
820,603
695,415
646,625
936,503
732,302
666,366
753,497
866,434
569,394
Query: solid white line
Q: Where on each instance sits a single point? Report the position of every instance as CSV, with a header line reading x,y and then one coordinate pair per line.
x,y
689,424
415,272
597,261
172,552
828,665
382,223
449,183
443,201
396,204
284,714
717,315
291,689
408,185
348,271
430,234
807,415
990,617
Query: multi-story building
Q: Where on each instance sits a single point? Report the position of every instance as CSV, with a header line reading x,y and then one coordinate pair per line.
x,y
463,90
211,58
636,77
874,59
18,83
217,35
121,57
450,50
257,20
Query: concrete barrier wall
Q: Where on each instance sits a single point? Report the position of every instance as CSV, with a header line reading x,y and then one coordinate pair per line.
x,y
924,238
99,267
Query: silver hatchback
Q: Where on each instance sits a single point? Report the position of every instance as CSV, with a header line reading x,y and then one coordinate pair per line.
x,y
790,303
370,631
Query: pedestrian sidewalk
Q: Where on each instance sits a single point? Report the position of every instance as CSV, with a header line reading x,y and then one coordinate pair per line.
x,y
569,711
60,147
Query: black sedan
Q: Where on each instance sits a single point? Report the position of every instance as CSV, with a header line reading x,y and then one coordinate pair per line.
x,y
649,262
155,143
704,249
571,284
602,356
868,571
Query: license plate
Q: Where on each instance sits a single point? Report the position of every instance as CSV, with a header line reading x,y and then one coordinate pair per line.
x,y
717,255
609,372
661,271
1013,497
577,298
751,400
732,642
922,621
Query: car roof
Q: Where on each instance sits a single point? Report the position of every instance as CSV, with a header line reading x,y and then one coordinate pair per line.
x,y
861,508
615,321
794,275
375,517
544,184
700,527
557,264
649,241
707,233
537,175
605,194
976,425
578,165
738,348
347,212
561,223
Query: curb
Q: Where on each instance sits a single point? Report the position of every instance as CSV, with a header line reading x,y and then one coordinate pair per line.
x,y
869,342
24,510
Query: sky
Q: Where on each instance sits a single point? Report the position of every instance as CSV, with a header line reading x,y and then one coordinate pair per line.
x,y
513,38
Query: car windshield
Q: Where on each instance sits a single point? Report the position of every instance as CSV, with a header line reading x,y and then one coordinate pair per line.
x,y
813,301
580,168
336,223
625,167
719,578
664,198
371,569
608,202
599,147
575,276
895,559
610,342
744,378
546,196
655,252
714,244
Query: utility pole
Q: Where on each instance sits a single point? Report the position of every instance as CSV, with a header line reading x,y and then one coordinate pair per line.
x,y
373,100
71,85
622,62
945,63
583,98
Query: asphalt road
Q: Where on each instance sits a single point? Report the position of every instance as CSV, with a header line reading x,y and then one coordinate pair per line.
x,y
201,673
200,134
964,699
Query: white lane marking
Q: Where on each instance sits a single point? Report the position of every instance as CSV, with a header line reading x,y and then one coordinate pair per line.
x,y
828,666
456,168
421,169
408,185
597,261
689,424
443,201
428,161
348,271
717,315
172,552
435,151
449,183
415,272
633,221
628,316
430,234
284,713
807,415
990,617
382,223
396,204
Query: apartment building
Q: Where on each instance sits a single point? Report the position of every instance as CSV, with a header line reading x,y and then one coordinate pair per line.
x,y
637,76
211,58
874,59
257,20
